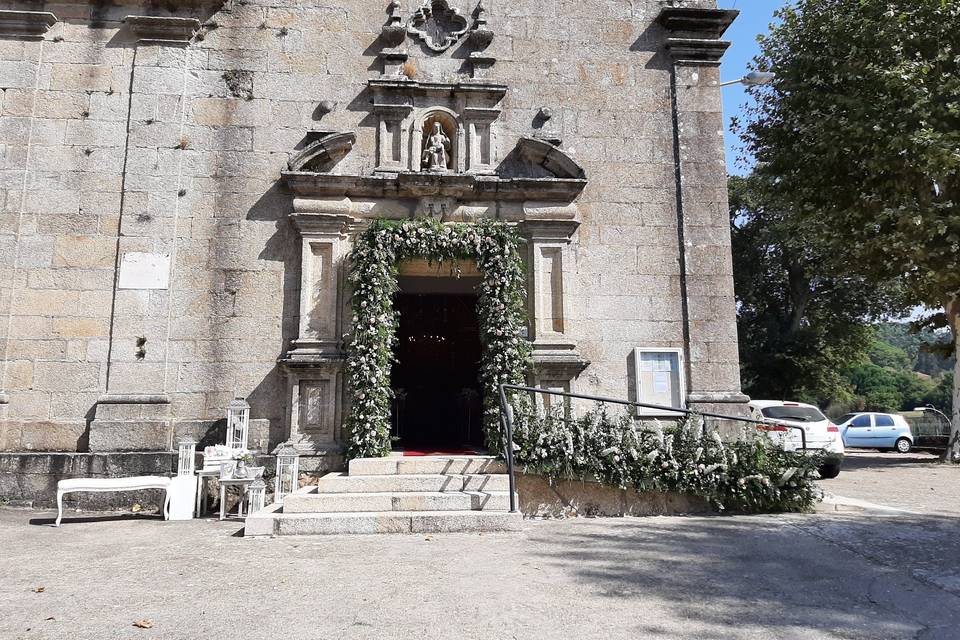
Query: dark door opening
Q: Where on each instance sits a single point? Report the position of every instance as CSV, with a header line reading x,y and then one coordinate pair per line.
x,y
438,403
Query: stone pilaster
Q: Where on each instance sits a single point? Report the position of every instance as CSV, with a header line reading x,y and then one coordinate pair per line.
x,y
134,413
314,362
695,46
549,232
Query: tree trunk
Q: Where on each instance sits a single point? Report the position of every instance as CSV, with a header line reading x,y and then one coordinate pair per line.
x,y
952,309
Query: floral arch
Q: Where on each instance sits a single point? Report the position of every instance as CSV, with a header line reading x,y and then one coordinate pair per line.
x,y
501,304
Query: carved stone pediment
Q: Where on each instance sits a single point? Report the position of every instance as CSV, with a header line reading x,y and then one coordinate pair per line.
x,y
322,154
437,25
539,159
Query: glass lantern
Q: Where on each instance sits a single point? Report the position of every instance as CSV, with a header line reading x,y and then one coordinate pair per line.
x,y
187,459
288,472
238,423
256,495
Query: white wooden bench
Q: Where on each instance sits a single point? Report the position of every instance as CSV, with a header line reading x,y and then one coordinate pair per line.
x,y
113,484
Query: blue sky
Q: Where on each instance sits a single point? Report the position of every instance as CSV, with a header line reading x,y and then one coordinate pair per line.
x,y
755,17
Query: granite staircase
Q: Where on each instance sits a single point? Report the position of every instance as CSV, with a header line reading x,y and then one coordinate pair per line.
x,y
424,494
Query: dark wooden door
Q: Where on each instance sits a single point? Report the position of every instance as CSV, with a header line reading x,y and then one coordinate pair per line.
x,y
436,376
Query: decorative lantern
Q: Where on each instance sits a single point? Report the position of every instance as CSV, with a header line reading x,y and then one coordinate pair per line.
x,y
288,472
186,462
238,423
256,495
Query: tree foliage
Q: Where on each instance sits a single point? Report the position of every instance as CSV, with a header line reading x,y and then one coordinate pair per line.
x,y
802,319
860,133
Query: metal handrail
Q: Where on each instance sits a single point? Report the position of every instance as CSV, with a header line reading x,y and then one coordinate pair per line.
x,y
506,419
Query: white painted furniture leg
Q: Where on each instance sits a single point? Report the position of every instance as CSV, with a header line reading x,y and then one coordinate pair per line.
x,y
166,504
59,507
223,500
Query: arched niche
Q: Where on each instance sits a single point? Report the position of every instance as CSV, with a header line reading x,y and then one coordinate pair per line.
x,y
423,129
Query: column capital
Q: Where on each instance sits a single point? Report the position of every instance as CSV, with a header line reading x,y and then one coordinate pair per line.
x,y
322,224
25,24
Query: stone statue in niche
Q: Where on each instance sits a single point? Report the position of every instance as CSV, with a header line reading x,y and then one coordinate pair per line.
x,y
436,154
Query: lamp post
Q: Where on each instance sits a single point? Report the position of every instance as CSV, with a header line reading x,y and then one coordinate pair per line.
x,y
752,79
238,423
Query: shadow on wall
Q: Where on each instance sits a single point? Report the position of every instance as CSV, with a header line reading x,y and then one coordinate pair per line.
x,y
269,397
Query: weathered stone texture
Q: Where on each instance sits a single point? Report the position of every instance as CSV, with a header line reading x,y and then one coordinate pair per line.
x,y
108,146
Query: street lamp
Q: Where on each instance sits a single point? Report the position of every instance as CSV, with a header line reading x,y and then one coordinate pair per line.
x,y
753,79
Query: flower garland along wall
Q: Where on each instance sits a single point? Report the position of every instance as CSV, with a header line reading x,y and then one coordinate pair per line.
x,y
749,474
500,309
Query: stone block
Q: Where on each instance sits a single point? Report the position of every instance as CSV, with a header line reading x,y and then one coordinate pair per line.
x,y
83,77
81,327
66,376
464,521
85,252
30,435
127,435
224,112
87,133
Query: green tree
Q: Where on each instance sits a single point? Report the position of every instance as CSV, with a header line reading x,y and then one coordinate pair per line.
x,y
860,134
885,354
802,321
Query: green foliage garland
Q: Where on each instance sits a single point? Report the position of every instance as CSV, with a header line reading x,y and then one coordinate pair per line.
x,y
751,474
500,308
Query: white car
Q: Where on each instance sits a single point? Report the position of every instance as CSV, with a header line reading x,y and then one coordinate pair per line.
x,y
815,430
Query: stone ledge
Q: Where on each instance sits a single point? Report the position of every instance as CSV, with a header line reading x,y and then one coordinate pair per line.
x,y
26,24
34,476
164,30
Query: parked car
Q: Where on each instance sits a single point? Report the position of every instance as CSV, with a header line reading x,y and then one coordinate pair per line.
x,y
882,431
820,434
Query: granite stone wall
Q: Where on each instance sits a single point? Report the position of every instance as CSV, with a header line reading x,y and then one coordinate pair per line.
x,y
115,140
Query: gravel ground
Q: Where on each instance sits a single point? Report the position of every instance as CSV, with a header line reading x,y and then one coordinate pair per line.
x,y
912,481
765,577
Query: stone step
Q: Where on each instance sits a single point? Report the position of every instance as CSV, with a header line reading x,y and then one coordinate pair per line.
x,y
314,502
273,523
399,465
340,482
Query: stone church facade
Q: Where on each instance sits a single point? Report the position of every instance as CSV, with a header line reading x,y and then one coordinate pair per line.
x,y
181,184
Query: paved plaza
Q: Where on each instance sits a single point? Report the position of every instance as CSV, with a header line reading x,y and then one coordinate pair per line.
x,y
804,577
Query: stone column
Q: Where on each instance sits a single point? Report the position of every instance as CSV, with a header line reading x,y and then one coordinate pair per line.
x,y
314,362
549,230
134,412
709,313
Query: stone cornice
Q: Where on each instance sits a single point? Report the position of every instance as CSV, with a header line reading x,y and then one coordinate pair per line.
x,y
694,33
464,187
25,24
395,86
696,23
167,30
